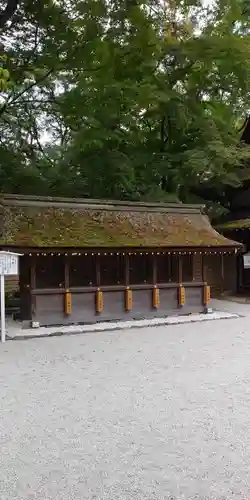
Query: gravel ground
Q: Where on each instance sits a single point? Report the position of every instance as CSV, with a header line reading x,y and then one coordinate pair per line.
x,y
148,414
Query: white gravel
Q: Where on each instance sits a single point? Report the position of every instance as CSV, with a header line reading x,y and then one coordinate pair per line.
x,y
140,414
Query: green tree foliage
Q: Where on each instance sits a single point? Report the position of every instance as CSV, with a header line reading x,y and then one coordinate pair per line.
x,y
8,11
132,100
33,57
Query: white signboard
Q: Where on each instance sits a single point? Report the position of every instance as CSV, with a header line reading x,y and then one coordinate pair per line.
x,y
246,260
8,267
8,263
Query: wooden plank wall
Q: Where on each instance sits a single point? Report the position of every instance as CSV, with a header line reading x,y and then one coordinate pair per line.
x,y
197,267
230,273
212,273
220,272
50,306
11,284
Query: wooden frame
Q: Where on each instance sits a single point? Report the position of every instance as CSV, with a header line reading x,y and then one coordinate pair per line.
x,y
67,281
45,300
34,259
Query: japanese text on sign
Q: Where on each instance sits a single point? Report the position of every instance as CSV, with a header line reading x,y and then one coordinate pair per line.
x,y
8,264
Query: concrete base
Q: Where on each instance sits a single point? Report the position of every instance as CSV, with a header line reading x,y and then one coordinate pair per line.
x,y
15,331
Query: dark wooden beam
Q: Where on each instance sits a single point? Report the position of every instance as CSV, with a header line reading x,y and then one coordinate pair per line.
x,y
33,264
193,267
127,270
222,272
122,250
169,266
66,271
203,268
98,270
109,288
180,270
154,270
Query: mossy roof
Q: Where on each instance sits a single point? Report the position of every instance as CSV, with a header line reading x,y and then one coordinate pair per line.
x,y
234,224
53,222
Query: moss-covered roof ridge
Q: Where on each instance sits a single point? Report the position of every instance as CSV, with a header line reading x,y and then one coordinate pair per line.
x,y
35,221
77,203
234,224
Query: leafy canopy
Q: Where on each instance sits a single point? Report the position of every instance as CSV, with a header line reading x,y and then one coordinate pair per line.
x,y
130,100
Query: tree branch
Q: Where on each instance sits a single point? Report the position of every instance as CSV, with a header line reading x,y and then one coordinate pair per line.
x,y
33,51
26,89
8,13
163,137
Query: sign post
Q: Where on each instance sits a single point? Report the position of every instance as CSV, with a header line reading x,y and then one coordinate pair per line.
x,y
8,267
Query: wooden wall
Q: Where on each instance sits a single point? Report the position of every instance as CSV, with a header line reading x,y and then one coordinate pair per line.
x,y
43,294
11,284
220,272
50,306
198,267
43,289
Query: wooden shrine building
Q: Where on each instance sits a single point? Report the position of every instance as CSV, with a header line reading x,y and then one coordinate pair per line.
x,y
89,260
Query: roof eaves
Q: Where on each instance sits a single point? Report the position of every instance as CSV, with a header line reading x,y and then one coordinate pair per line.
x,y
92,204
236,224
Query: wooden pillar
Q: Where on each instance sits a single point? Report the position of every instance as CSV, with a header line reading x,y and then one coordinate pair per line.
x,y
197,267
203,267
180,269
66,271
33,272
26,283
98,270
127,270
128,294
192,266
154,273
240,271
170,265
222,272
33,284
